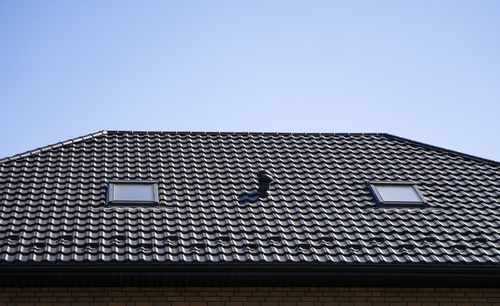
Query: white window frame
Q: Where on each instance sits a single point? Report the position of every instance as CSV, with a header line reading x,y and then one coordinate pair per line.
x,y
111,194
373,187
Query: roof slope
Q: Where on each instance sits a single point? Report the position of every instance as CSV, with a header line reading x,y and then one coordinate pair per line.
x,y
319,208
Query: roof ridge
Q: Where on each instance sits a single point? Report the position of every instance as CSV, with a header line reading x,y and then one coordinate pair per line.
x,y
238,133
423,144
52,146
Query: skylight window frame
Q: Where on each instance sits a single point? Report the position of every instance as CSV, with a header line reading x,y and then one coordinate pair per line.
x,y
110,194
380,201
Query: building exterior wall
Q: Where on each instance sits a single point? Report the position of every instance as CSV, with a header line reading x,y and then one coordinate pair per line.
x,y
240,296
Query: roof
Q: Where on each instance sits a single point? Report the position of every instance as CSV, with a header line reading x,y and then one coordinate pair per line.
x,y
319,209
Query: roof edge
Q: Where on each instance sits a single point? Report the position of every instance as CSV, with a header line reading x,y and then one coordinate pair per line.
x,y
140,266
423,144
53,146
250,275
240,133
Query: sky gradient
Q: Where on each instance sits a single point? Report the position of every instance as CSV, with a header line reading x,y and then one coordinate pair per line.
x,y
424,70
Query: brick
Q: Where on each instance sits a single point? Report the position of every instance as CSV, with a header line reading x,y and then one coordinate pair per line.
x,y
469,289
244,295
397,304
175,299
23,299
157,289
392,289
308,298
474,294
157,298
362,293
269,304
134,293
102,298
341,289
426,299
424,289
326,299
359,289
193,289
48,299
211,289
211,298
246,289
274,298
137,298
284,293
358,298
26,293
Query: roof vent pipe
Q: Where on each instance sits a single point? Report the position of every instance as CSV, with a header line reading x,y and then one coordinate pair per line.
x,y
265,180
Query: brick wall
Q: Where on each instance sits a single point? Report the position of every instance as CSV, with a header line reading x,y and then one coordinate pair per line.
x,y
239,296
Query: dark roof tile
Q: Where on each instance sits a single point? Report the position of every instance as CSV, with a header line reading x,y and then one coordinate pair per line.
x,y
319,207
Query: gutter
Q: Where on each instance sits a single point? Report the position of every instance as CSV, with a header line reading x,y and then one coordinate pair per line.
x,y
244,274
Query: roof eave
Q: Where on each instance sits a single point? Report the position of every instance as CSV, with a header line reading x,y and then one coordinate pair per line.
x,y
248,274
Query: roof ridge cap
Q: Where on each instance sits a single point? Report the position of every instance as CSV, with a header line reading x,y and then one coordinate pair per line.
x,y
52,146
239,133
423,144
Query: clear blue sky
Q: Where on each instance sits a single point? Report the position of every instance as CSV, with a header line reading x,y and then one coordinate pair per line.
x,y
425,70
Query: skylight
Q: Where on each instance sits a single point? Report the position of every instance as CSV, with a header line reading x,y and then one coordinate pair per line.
x,y
397,194
132,192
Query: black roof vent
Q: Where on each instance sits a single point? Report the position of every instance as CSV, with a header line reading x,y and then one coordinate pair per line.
x,y
480,240
223,240
265,180
377,240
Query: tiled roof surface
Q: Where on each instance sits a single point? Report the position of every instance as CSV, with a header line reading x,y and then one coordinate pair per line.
x,y
319,208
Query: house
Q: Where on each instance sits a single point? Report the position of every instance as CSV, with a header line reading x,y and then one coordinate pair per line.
x,y
169,218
